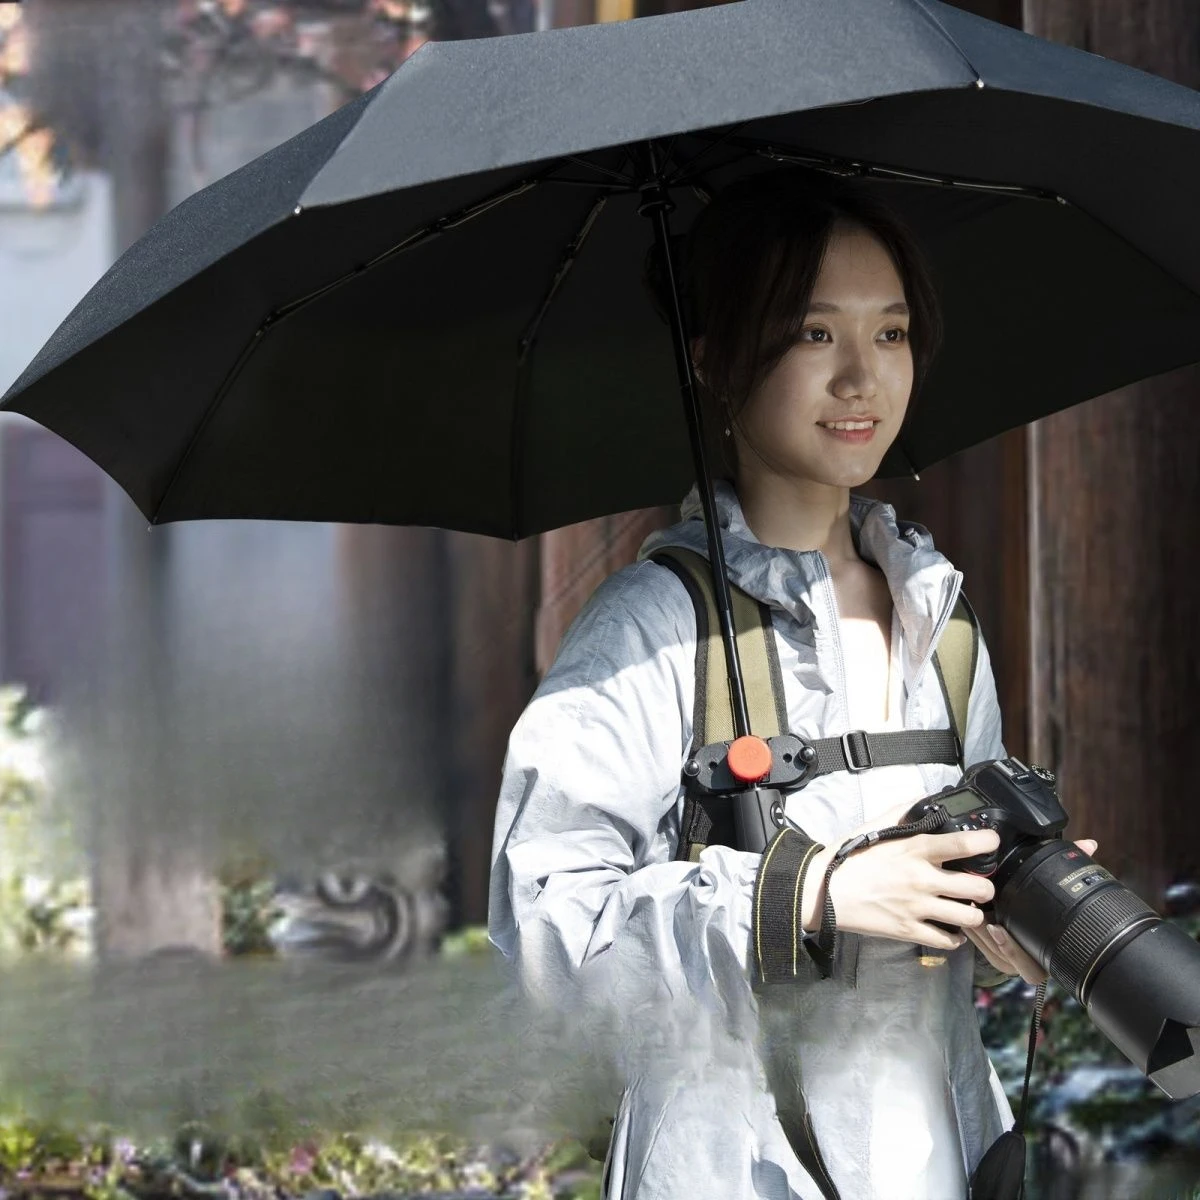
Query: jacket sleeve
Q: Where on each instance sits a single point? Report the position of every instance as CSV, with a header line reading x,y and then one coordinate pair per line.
x,y
585,892
984,741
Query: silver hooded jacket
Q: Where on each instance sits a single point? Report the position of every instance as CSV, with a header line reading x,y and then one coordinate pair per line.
x,y
599,918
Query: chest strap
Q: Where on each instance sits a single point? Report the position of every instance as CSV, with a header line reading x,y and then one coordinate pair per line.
x,y
860,751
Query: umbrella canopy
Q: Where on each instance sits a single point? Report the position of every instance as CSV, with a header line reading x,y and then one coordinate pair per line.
x,y
427,308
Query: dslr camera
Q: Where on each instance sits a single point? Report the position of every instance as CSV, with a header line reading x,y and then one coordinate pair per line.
x,y
1136,975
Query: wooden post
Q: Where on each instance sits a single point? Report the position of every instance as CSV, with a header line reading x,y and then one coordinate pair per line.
x,y
494,588
1114,498
96,77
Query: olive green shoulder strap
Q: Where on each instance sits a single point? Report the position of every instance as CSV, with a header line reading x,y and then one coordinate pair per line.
x,y
712,715
955,660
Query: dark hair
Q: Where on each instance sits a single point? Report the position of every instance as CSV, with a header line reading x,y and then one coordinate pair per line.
x,y
749,265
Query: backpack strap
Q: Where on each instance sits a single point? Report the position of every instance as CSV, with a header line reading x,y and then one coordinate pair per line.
x,y
712,712
954,661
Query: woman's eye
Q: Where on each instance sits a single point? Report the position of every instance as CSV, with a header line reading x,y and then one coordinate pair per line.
x,y
896,335
813,334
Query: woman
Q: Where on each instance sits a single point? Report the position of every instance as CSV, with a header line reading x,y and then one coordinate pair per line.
x,y
815,322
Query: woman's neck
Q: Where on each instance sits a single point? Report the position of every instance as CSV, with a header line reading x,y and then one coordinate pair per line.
x,y
798,514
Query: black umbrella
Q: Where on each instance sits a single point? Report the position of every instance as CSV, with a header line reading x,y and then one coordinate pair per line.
x,y
427,309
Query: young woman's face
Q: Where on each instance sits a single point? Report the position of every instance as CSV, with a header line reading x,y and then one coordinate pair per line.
x,y
853,364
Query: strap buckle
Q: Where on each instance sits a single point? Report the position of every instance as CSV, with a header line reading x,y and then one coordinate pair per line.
x,y
852,764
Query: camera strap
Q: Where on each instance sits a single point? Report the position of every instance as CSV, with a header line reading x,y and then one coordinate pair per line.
x,y
1000,1174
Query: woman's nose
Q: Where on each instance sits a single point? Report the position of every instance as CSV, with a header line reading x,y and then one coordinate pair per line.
x,y
856,375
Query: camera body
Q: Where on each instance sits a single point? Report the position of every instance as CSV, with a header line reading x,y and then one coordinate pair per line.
x,y
1017,801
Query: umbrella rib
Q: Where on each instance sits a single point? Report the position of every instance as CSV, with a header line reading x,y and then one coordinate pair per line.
x,y
849,167
680,176
569,255
858,167
417,238
942,30
613,189
588,165
525,347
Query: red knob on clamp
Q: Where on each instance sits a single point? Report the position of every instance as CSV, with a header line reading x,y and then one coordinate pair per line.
x,y
749,759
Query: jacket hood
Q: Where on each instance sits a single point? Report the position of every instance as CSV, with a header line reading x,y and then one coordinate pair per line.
x,y
924,585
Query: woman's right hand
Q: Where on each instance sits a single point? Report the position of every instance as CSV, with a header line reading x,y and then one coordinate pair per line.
x,y
895,888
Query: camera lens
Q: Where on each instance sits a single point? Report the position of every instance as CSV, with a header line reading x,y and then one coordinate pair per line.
x,y
1137,976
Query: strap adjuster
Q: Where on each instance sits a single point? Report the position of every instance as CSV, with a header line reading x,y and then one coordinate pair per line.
x,y
852,764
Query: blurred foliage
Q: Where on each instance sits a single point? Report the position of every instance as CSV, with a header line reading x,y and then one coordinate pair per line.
x,y
248,908
99,1165
41,909
471,939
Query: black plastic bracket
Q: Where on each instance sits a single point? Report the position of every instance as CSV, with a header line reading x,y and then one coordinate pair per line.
x,y
792,760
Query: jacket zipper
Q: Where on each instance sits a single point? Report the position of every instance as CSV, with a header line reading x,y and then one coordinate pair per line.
x,y
835,627
938,629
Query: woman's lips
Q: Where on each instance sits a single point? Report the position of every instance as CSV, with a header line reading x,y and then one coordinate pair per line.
x,y
857,436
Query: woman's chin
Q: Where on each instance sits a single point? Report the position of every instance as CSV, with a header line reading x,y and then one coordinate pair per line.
x,y
841,475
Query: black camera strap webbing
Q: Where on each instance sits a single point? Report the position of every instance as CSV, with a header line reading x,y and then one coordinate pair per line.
x,y
1000,1174
796,1122
859,750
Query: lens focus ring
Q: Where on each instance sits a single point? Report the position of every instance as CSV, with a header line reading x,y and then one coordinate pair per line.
x,y
1096,925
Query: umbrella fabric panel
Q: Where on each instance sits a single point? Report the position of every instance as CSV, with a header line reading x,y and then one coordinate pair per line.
x,y
187,345
456,105
1105,160
1016,350
601,411
392,389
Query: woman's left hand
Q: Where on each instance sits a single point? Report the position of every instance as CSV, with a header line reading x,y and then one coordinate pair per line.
x,y
1003,953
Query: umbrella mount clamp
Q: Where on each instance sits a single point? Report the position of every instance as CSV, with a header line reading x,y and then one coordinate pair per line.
x,y
792,761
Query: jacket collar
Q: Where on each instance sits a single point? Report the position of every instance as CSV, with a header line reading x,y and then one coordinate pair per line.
x,y
923,583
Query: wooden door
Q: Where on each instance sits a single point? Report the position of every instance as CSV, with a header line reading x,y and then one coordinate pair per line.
x,y
1116,601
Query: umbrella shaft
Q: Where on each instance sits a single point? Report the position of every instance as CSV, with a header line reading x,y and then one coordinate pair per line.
x,y
657,205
